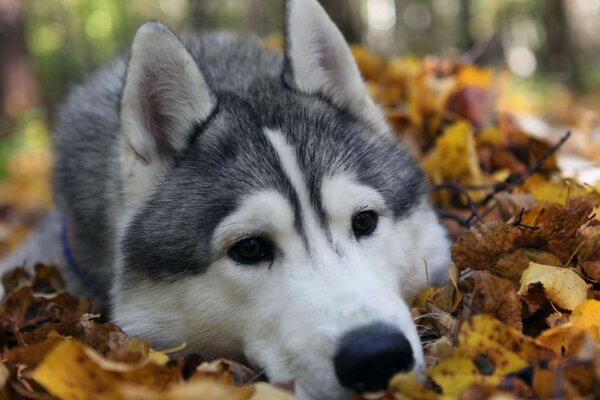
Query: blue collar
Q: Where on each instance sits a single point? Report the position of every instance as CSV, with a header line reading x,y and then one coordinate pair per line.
x,y
71,256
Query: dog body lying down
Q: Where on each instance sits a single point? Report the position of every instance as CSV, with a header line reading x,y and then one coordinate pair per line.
x,y
254,205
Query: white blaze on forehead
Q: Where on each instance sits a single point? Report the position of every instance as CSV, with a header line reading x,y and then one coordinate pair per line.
x,y
290,166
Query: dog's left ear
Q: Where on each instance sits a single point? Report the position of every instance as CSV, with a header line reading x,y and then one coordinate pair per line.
x,y
318,60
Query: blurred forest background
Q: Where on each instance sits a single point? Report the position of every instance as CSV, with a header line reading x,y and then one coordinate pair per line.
x,y
550,46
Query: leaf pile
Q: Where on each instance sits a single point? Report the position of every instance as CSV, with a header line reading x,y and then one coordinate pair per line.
x,y
519,317
520,314
53,347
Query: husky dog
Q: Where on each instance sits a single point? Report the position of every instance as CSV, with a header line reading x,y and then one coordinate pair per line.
x,y
255,205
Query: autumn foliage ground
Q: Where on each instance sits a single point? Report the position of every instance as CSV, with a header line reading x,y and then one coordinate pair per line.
x,y
519,318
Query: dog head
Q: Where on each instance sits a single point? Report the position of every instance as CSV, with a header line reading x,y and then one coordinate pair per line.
x,y
272,217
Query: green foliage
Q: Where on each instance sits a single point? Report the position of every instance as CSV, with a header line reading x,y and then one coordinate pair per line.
x,y
67,38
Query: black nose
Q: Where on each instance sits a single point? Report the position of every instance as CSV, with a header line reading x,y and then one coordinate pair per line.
x,y
369,356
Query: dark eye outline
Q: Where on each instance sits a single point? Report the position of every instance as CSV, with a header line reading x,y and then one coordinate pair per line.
x,y
360,232
264,254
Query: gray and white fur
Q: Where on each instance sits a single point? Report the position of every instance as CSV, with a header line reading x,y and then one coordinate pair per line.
x,y
168,158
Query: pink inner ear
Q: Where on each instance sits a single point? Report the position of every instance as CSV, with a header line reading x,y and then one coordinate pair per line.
x,y
328,60
156,120
166,105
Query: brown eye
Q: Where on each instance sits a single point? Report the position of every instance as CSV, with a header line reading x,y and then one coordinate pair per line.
x,y
364,223
252,250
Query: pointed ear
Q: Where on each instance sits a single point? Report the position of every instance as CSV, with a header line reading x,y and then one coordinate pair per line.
x,y
164,97
318,60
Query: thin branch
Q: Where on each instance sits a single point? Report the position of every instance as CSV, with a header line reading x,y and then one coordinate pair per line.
x,y
459,189
445,214
511,183
520,224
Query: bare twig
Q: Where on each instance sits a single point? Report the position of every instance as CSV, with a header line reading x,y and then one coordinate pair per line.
x,y
520,224
459,189
511,182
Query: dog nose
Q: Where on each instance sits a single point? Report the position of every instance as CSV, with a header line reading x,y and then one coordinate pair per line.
x,y
369,356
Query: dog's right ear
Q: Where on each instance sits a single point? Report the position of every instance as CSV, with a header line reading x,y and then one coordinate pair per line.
x,y
164,97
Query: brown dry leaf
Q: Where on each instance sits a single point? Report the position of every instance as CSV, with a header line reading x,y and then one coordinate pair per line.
x,y
588,238
225,371
490,246
103,337
470,103
24,310
494,296
446,298
480,247
562,286
570,380
512,265
510,204
558,226
4,375
591,270
441,349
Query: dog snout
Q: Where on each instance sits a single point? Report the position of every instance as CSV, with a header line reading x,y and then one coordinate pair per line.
x,y
367,357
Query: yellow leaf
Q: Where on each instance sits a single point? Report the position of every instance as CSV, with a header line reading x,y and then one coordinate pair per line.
x,y
470,75
564,338
562,286
195,390
408,386
455,375
454,157
369,64
264,391
74,371
561,192
487,351
68,373
491,135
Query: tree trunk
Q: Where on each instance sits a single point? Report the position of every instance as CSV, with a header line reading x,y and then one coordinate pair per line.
x,y
559,55
17,85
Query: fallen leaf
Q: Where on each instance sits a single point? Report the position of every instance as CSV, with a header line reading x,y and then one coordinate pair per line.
x,y
495,296
454,157
197,390
566,338
408,386
264,391
73,371
487,351
480,247
562,286
591,270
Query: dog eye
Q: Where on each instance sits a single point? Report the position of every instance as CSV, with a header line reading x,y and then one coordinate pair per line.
x,y
364,223
252,250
